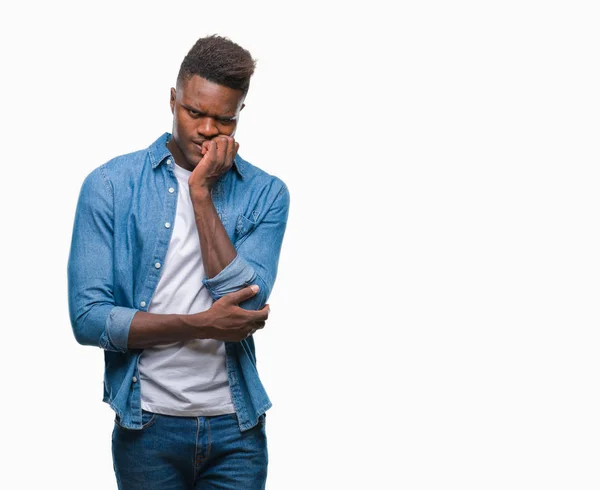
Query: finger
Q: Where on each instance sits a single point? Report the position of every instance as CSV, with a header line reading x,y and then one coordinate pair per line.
x,y
243,294
222,143
258,325
262,315
208,145
231,149
208,151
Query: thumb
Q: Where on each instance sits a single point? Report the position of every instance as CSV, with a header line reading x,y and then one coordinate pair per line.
x,y
243,294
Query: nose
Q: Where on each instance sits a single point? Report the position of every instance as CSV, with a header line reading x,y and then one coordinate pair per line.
x,y
207,127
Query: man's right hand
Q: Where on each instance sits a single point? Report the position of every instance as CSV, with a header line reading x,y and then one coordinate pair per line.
x,y
226,321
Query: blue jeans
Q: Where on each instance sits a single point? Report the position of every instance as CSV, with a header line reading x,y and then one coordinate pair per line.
x,y
177,453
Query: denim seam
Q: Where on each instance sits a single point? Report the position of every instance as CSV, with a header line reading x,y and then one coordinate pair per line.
x,y
151,156
196,448
106,181
107,330
281,191
208,438
108,334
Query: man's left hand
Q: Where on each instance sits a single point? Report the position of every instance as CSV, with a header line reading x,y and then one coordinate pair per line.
x,y
217,158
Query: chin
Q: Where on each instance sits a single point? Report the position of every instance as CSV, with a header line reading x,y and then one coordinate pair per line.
x,y
194,160
191,162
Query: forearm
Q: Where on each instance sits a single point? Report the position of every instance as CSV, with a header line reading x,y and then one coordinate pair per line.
x,y
257,255
224,321
216,247
150,329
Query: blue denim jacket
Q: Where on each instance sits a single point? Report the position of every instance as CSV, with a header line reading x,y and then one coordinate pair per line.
x,y
121,236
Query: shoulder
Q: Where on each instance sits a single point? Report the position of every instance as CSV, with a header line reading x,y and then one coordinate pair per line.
x,y
104,178
122,165
129,166
259,179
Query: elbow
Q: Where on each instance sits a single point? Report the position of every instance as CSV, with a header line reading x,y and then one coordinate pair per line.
x,y
261,297
89,326
82,335
259,300
85,335
81,317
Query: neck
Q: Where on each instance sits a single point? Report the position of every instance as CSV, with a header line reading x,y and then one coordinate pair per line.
x,y
178,155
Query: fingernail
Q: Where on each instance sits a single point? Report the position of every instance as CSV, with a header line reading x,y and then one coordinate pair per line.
x,y
254,288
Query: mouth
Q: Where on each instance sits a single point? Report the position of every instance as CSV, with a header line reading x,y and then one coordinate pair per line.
x,y
198,145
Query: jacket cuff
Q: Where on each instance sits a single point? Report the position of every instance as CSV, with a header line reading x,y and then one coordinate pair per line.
x,y
117,326
235,276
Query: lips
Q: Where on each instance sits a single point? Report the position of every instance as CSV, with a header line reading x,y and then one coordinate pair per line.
x,y
198,146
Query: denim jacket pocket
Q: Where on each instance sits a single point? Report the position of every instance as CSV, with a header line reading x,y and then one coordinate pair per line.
x,y
244,226
148,419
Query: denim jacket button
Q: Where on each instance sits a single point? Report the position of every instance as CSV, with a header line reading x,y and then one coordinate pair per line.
x,y
134,379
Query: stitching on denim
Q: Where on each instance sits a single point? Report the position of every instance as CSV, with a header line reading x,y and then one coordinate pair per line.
x,y
106,180
196,448
281,191
108,333
209,439
151,155
150,422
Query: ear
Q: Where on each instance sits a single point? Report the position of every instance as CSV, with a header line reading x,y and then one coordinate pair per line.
x,y
172,101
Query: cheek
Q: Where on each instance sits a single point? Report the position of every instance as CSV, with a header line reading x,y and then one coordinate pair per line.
x,y
183,127
227,130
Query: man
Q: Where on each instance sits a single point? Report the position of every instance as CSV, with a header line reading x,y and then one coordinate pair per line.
x,y
174,253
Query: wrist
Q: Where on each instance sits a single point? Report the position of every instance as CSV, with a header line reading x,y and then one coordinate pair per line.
x,y
198,324
200,193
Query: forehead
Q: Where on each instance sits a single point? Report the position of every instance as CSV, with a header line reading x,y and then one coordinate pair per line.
x,y
210,97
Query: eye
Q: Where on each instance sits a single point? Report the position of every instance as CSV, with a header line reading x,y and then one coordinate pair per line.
x,y
226,122
193,113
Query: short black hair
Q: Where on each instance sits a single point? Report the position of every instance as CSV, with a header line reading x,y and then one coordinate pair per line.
x,y
219,60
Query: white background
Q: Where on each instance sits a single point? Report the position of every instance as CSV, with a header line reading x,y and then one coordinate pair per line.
x,y
435,320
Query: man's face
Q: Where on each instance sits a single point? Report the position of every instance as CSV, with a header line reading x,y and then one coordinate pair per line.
x,y
202,110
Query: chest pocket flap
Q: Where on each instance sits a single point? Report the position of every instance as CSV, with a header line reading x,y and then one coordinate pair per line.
x,y
245,225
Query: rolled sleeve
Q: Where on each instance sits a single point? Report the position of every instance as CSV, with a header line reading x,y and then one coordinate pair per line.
x,y
238,274
257,256
117,326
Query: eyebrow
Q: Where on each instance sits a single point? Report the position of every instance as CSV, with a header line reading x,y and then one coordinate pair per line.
x,y
190,108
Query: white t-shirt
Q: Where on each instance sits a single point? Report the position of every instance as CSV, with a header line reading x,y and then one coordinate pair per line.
x,y
184,378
